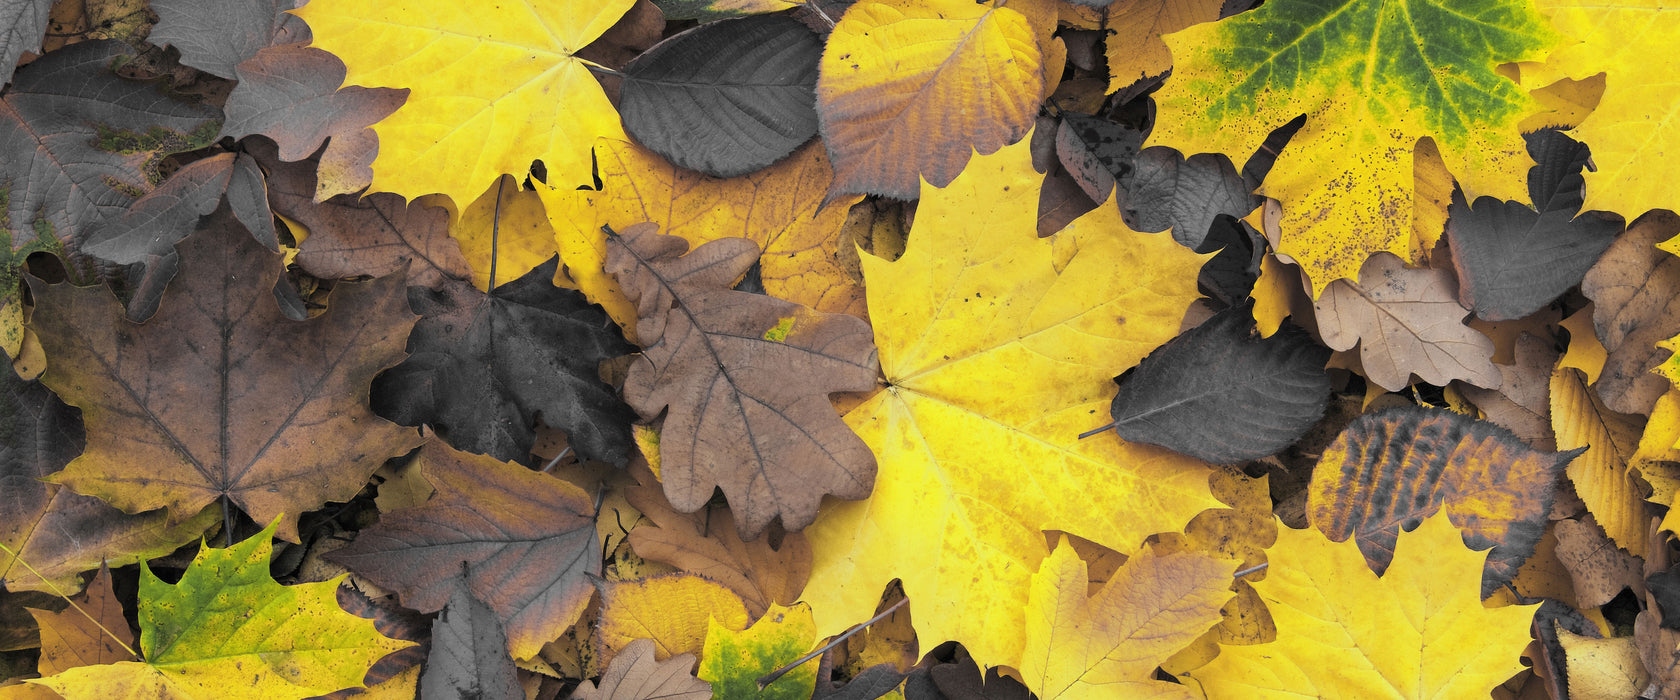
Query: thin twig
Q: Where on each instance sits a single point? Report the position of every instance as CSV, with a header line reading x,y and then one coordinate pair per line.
x,y
815,7
227,521
1094,431
60,593
1250,570
496,235
598,68
767,680
557,459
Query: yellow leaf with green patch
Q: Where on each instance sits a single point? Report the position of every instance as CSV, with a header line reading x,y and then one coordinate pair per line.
x,y
734,661
229,630
999,348
491,87
1373,77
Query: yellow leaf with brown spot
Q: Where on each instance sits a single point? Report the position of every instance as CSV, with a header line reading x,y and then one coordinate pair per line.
x,y
999,348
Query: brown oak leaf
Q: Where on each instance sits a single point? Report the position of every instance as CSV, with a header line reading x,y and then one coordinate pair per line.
x,y
1406,321
1635,288
219,395
746,379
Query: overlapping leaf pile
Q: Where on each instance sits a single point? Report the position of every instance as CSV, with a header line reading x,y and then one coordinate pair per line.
x,y
763,348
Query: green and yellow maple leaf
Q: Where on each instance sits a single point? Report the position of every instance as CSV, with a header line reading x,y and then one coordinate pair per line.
x,y
999,348
1373,77
1419,631
229,630
492,87
734,661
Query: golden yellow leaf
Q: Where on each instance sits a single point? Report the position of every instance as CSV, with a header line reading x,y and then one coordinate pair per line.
x,y
1602,475
672,610
1419,631
1107,645
492,87
1602,669
1585,352
1635,131
516,229
1278,294
909,88
779,208
999,348
1135,28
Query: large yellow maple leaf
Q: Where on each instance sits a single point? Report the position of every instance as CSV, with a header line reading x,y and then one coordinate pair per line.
x,y
1635,131
1418,631
492,86
999,348
1373,77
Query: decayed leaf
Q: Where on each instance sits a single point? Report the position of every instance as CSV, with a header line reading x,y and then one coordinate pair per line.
x,y
672,610
157,221
1216,394
1522,404
228,630
725,98
91,633
215,36
635,675
1419,631
25,21
1373,78
1107,645
1633,131
1601,475
292,94
61,533
1596,566
1635,288
734,661
1243,532
743,380
1406,321
287,399
491,88
356,236
706,543
469,652
1513,259
527,540
910,89
1135,48
778,208
999,349
483,367
1389,470
1165,189
1095,152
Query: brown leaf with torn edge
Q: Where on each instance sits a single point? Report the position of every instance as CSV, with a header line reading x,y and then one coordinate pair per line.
x,y
1406,321
743,380
1635,288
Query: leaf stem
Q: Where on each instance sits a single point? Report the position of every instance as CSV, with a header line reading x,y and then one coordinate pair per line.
x,y
819,651
495,236
1250,570
815,7
598,68
1094,431
60,593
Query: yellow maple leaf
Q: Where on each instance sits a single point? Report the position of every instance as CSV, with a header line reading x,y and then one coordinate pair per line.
x,y
492,87
1107,645
1373,79
1135,50
505,231
908,88
1419,631
999,348
1635,131
779,208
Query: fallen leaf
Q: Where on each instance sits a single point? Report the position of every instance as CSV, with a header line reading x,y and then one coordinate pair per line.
x,y
1659,650
1219,395
706,543
1601,475
1597,567
483,367
490,89
1406,321
673,610
469,651
908,90
26,21
734,661
527,541
725,98
1584,351
230,630
1372,83
1635,288
216,36
998,349
1418,631
1166,190
161,218
1603,669
1107,645
220,353
1135,48
743,380
505,231
1522,404
1096,152
92,632
58,532
634,675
